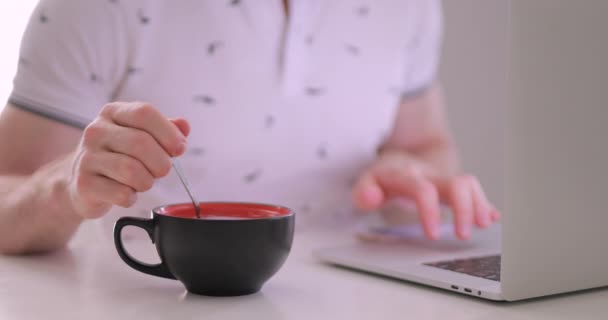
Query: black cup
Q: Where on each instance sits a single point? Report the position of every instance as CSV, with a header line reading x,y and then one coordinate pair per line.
x,y
233,249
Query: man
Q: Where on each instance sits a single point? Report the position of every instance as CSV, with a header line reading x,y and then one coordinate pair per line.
x,y
298,103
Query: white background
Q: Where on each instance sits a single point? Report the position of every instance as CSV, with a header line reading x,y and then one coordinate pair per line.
x,y
14,15
472,71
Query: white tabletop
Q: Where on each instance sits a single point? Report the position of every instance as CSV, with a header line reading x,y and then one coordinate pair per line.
x,y
89,281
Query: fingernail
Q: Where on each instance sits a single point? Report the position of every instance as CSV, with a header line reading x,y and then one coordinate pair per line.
x,y
466,231
132,199
371,197
496,215
435,233
485,220
181,148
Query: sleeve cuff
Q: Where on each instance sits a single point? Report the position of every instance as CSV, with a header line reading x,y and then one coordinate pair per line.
x,y
48,112
413,93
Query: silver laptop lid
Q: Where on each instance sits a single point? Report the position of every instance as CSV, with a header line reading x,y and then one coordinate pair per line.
x,y
555,236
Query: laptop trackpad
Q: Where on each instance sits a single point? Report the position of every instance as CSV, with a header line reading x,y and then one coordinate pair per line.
x,y
396,246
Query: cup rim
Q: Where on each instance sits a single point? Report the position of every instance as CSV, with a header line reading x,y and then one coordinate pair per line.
x,y
290,213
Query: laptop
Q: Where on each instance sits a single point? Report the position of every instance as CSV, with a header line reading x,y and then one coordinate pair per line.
x,y
553,237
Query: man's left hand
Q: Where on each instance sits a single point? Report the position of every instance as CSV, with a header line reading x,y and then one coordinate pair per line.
x,y
397,175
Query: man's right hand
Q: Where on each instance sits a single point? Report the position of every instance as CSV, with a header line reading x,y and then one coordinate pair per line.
x,y
122,152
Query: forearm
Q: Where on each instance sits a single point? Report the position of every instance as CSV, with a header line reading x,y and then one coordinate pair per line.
x,y
35,211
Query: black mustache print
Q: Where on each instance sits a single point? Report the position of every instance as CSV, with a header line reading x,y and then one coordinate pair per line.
x,y
196,151
143,18
306,208
315,91
322,152
213,46
309,39
352,49
362,11
253,176
23,61
269,121
204,99
132,70
95,78
43,17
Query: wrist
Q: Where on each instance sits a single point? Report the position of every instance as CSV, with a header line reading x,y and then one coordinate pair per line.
x,y
60,197
403,158
51,196
61,202
441,159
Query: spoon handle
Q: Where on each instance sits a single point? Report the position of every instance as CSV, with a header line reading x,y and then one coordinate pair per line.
x,y
182,177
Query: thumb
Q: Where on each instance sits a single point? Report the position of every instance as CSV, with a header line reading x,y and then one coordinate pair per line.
x,y
367,193
182,124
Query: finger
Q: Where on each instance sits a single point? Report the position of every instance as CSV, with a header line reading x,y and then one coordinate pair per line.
x,y
411,184
183,125
139,145
456,191
99,192
495,214
144,117
121,168
483,209
367,193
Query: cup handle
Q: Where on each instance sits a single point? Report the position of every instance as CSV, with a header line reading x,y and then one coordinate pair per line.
x,y
160,269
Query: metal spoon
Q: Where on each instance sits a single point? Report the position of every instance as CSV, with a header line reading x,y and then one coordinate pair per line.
x,y
182,177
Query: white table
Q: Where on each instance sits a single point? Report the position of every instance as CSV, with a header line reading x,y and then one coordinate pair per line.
x,y
89,281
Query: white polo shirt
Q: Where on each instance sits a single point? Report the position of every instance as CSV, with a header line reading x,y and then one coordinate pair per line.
x,y
286,111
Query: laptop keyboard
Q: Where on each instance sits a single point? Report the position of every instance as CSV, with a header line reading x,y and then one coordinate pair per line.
x,y
487,267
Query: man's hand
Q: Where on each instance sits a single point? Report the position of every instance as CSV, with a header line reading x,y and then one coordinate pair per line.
x,y
395,174
49,185
122,152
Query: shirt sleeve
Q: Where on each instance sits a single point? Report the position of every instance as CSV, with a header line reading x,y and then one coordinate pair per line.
x,y
72,59
423,48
